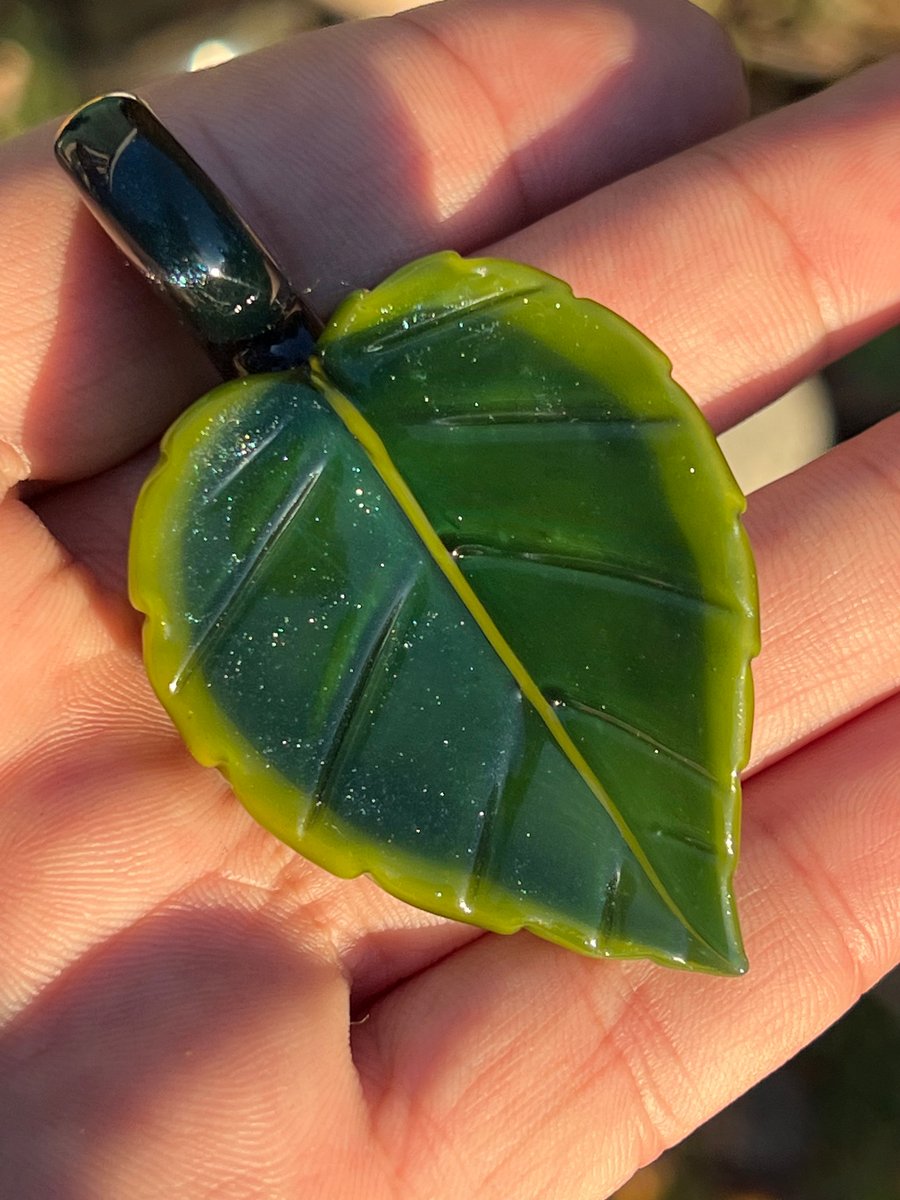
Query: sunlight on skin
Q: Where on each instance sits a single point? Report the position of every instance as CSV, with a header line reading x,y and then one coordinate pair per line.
x,y
343,110
174,984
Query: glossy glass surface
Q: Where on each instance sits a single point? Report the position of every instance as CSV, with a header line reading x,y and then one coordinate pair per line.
x,y
467,605
177,227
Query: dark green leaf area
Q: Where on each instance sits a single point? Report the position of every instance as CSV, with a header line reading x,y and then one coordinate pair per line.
x,y
588,505
538,423
320,643
524,703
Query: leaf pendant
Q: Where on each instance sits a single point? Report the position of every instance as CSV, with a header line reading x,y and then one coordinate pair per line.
x,y
464,602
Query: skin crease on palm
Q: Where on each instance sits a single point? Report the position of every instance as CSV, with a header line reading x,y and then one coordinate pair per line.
x,y
190,1010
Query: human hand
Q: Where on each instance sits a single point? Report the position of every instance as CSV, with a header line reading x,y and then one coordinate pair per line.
x,y
176,986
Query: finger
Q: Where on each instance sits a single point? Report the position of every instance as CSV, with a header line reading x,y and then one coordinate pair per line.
x,y
92,517
350,150
172,1063
629,1057
755,258
829,577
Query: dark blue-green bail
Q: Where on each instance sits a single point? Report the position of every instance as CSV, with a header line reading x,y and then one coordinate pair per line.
x,y
172,221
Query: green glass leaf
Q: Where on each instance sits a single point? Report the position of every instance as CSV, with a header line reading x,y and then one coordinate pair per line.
x,y
468,606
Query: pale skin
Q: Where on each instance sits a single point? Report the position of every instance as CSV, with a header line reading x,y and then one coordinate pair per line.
x,y
177,987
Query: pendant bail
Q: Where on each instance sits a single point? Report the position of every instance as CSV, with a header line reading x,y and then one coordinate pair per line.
x,y
175,225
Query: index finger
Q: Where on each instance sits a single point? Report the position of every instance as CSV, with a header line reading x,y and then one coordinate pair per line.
x,y
350,150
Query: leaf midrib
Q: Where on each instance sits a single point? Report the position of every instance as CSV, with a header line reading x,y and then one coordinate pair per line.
x,y
374,448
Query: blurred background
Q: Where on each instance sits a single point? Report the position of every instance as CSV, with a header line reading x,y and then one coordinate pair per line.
x,y
827,1125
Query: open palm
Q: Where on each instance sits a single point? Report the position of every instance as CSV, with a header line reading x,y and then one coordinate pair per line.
x,y
190,1009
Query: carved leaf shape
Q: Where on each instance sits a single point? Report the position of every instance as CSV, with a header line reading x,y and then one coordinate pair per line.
x,y
468,606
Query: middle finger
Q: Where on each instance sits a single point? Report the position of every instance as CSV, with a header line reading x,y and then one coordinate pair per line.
x,y
755,258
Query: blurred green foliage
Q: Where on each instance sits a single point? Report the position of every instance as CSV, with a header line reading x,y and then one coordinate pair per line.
x,y
826,1127
36,81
